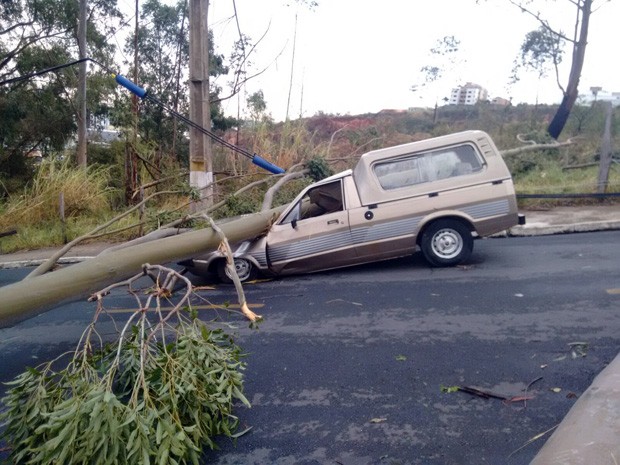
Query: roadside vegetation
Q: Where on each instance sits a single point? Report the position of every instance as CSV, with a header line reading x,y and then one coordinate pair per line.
x,y
94,195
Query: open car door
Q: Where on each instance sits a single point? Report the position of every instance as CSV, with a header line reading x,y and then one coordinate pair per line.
x,y
314,234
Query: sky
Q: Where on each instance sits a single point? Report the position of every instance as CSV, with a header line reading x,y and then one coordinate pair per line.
x,y
362,56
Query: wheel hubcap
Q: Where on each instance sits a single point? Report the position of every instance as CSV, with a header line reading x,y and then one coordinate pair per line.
x,y
243,269
447,243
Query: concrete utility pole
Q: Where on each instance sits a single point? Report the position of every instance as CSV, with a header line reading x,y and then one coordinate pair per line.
x,y
200,152
81,119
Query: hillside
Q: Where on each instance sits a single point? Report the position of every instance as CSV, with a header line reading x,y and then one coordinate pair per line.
x,y
341,139
344,136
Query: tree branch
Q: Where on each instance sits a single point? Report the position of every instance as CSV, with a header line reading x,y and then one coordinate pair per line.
x,y
536,146
542,22
230,264
237,82
268,199
49,263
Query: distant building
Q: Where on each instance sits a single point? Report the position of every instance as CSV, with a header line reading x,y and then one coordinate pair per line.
x,y
600,95
499,101
469,94
100,131
103,136
391,111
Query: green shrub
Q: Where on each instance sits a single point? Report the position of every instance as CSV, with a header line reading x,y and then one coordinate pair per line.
x,y
161,394
319,169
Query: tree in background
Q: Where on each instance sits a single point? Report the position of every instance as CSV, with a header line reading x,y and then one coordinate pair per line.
x,y
540,51
257,105
38,114
163,48
543,44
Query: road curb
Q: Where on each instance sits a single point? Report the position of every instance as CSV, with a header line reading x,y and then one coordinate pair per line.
x,y
546,230
589,433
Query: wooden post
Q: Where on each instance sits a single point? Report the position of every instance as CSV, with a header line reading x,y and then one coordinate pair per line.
x,y
606,155
62,217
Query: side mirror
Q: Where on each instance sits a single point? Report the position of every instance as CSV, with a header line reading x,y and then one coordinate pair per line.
x,y
294,224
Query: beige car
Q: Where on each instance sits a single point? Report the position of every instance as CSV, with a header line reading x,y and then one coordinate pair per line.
x,y
436,195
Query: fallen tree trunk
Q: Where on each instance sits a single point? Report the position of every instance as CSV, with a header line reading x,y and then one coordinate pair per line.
x,y
25,299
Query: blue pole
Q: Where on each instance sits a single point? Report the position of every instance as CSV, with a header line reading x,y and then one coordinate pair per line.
x,y
258,161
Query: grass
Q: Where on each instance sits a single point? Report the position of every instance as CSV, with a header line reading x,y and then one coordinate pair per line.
x,y
54,233
35,213
85,192
39,225
550,178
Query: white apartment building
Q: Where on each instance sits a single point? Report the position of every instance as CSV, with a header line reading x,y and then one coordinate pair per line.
x,y
469,94
601,96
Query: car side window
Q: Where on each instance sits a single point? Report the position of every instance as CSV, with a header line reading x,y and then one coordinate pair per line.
x,y
320,200
429,166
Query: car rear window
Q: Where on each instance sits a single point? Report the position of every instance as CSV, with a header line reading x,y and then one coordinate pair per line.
x,y
428,166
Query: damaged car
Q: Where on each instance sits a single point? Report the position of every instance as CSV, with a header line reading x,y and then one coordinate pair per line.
x,y
435,195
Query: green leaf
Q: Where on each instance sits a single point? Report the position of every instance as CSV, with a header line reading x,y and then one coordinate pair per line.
x,y
165,452
241,433
449,389
239,395
159,432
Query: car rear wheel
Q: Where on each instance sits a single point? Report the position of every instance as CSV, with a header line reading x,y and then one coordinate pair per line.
x,y
244,267
446,243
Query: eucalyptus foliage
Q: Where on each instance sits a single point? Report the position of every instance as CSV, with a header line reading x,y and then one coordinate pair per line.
x,y
163,47
160,394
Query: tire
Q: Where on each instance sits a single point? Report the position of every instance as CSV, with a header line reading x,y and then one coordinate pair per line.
x,y
245,270
446,243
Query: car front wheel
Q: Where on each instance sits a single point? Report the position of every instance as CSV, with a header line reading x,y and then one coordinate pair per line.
x,y
244,267
446,243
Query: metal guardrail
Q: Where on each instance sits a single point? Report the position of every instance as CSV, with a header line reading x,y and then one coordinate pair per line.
x,y
569,196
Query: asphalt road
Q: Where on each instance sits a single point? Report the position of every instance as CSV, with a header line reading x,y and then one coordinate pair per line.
x,y
348,366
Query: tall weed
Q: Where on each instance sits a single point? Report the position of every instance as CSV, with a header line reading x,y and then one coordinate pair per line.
x,y
85,192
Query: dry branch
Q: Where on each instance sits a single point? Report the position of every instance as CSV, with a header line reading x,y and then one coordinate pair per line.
x,y
271,192
581,165
230,264
534,146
